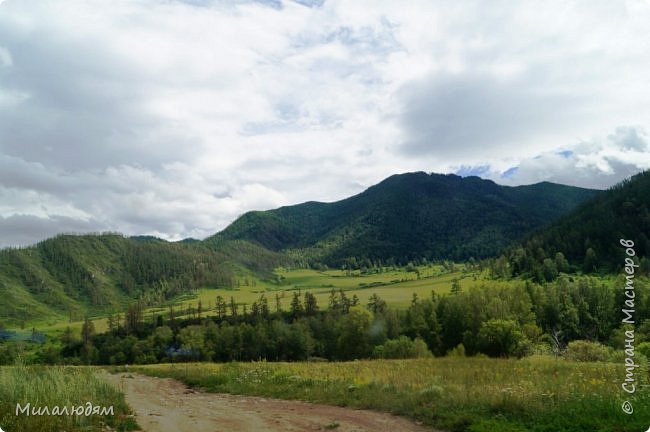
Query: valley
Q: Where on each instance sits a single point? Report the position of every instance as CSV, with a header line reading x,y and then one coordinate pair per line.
x,y
463,308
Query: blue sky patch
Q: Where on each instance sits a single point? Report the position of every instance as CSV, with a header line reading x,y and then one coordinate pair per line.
x,y
509,172
467,171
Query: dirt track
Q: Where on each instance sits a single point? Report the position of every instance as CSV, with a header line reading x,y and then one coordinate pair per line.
x,y
166,405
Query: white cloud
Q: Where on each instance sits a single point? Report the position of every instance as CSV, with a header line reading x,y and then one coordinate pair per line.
x,y
174,117
597,163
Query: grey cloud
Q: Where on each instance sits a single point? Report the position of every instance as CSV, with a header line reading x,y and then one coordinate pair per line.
x,y
18,174
629,138
468,114
21,230
620,171
79,111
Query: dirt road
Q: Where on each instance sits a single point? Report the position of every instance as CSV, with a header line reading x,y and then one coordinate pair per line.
x,y
166,405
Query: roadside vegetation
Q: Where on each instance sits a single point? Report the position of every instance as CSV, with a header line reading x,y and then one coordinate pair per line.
x,y
538,393
62,387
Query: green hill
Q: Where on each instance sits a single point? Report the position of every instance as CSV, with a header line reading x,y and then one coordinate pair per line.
x,y
405,217
410,216
588,238
71,276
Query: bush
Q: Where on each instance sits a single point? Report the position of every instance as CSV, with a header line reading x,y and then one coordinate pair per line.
x,y
587,351
502,338
402,348
542,349
458,351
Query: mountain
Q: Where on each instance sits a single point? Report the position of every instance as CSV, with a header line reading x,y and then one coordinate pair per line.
x,y
72,276
405,217
589,237
410,216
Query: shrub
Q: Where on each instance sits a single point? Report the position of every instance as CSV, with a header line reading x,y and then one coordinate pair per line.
x,y
402,348
458,351
502,338
587,351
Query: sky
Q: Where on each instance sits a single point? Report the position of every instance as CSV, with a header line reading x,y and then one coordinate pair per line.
x,y
174,117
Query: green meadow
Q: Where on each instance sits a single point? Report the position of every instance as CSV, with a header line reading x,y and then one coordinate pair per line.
x,y
395,286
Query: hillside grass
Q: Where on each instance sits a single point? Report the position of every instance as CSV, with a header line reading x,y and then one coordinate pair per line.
x,y
70,277
540,394
60,386
396,287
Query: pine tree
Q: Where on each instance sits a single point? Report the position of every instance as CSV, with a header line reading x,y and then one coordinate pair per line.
x,y
589,264
333,302
296,305
233,307
376,305
264,306
111,322
311,306
87,331
455,287
278,304
344,302
221,307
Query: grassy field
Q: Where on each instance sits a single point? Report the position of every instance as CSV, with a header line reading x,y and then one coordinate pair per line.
x,y
454,394
63,387
396,287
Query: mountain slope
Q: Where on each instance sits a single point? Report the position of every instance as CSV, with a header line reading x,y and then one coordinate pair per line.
x,y
410,216
589,236
71,276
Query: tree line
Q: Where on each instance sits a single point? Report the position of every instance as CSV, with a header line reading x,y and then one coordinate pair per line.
x,y
496,321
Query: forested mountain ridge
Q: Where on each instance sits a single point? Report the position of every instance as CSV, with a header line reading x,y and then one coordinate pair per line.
x,y
410,216
71,275
405,217
588,238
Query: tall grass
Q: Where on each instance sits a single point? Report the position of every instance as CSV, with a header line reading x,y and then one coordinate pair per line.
x,y
60,386
540,394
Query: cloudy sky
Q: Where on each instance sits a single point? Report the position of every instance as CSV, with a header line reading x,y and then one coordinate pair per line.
x,y
171,118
